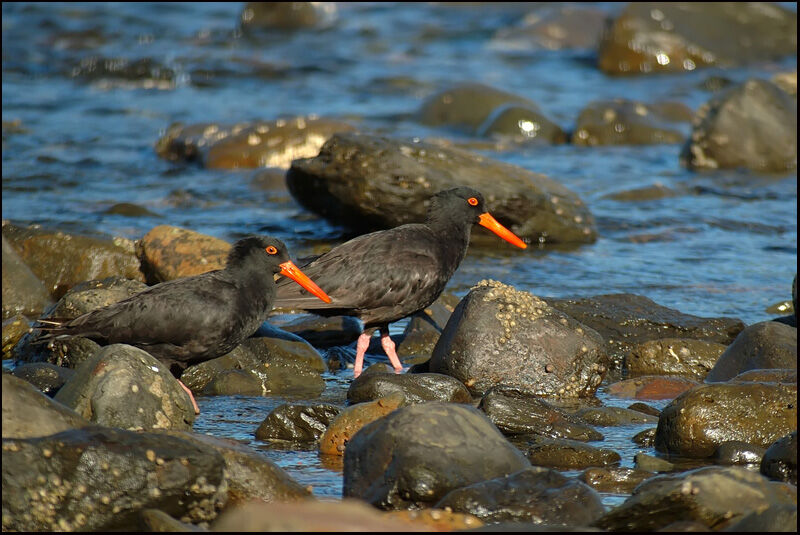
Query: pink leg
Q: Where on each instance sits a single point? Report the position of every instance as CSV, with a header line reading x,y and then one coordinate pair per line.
x,y
191,397
388,347
361,349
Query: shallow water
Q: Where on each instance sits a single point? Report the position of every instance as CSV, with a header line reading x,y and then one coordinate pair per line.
x,y
726,248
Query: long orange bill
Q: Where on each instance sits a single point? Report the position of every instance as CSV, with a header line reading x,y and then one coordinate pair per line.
x,y
491,223
288,269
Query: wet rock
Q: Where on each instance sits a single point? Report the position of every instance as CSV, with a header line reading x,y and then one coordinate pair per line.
x,y
417,454
557,27
787,81
348,422
250,144
297,423
128,209
535,494
438,519
156,521
651,387
424,328
642,461
371,182
567,454
614,479
646,193
324,332
645,438
710,495
673,356
168,252
762,345
123,386
775,375
416,388
624,122
62,260
28,413
737,452
71,352
261,366
23,292
14,328
780,460
311,516
695,423
465,107
515,412
250,475
613,416
645,408
261,16
521,124
624,320
44,376
775,518
99,479
753,125
657,37
498,335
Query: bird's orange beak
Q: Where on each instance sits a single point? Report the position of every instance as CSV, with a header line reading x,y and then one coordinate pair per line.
x,y
491,223
288,269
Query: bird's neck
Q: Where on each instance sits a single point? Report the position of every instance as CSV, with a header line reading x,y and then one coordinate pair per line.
x,y
454,238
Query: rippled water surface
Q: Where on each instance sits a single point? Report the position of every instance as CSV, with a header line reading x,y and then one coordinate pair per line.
x,y
727,246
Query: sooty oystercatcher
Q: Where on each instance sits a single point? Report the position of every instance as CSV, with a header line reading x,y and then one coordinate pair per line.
x,y
387,275
193,319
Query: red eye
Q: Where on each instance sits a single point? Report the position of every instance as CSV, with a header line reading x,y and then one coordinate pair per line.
x,y
271,250
473,201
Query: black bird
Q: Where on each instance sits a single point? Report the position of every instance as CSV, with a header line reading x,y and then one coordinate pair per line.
x,y
387,275
193,319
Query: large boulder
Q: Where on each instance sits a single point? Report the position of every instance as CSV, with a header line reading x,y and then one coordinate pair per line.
x,y
23,292
498,335
764,345
371,182
28,413
417,454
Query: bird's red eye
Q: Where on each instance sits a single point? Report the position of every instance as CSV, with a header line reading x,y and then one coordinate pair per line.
x,y
271,249
473,201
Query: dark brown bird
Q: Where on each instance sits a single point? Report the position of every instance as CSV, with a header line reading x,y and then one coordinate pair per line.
x,y
193,319
387,275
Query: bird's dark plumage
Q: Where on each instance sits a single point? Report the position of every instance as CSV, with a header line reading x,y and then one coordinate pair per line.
x,y
387,275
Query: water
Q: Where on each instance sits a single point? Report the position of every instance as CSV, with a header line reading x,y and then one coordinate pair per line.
x,y
728,248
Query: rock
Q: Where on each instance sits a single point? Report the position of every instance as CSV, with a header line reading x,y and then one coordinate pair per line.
x,y
649,463
44,376
466,107
271,16
350,421
417,454
324,332
614,479
780,460
71,352
710,495
250,144
567,454
438,519
498,335
645,438
424,328
156,521
535,494
624,122
514,412
99,479
371,182
62,260
311,516
168,253
415,387
14,328
521,124
787,81
23,292
123,386
651,387
249,474
297,423
645,193
624,320
752,125
673,356
28,413
652,37
762,345
127,209
696,422
775,375
737,452
645,408
557,27
611,416
774,518
113,72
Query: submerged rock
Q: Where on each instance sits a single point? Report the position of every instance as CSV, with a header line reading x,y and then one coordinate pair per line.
x,y
614,479
624,122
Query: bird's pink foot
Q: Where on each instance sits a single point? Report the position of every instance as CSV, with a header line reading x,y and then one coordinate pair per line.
x,y
389,348
191,397
361,348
